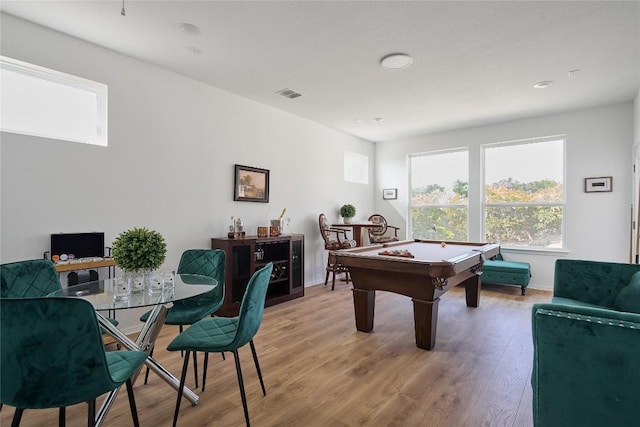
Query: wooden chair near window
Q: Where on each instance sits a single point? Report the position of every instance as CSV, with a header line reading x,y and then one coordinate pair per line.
x,y
380,234
334,239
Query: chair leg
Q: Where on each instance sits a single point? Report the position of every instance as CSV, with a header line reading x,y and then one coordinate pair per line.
x,y
17,416
146,374
204,369
181,352
241,385
132,403
62,419
326,277
91,416
195,367
255,360
333,280
183,377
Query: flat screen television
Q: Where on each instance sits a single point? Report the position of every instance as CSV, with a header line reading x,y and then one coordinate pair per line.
x,y
81,245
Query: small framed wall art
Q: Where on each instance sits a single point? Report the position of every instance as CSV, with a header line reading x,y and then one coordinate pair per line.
x,y
390,194
251,184
598,184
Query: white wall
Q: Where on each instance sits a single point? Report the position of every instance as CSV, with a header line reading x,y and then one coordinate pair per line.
x,y
599,143
169,166
636,121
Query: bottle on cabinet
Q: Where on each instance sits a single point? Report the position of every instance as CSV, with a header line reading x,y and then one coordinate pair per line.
x,y
240,228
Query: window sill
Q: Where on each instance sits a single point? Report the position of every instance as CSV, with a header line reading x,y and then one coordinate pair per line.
x,y
535,251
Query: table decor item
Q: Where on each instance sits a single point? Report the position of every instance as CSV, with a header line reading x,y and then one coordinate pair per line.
x,y
138,252
347,212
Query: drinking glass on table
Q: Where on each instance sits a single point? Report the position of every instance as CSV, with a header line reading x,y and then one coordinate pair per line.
x,y
121,288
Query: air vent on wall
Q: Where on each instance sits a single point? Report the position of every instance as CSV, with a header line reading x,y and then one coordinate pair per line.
x,y
289,93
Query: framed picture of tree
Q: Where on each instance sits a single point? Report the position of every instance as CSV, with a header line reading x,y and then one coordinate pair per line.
x,y
251,184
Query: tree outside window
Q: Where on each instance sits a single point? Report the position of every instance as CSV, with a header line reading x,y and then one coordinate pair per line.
x,y
524,193
439,195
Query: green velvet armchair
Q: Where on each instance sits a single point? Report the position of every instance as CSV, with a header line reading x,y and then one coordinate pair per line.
x,y
587,346
591,283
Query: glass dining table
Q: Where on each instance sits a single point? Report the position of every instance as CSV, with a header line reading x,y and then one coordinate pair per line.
x,y
105,296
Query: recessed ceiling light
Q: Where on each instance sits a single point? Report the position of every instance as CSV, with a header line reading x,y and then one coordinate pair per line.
x,y
187,28
378,119
396,61
358,121
542,85
193,50
573,73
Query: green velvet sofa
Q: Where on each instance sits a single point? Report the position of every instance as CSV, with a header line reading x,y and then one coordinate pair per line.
x,y
586,360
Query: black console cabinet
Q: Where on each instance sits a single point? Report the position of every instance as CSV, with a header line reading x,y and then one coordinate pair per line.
x,y
247,255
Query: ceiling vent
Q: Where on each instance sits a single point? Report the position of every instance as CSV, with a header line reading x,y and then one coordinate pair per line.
x,y
289,93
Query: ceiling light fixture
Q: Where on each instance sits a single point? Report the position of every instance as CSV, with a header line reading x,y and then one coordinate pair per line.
x,y
378,119
194,50
396,61
187,28
543,85
123,12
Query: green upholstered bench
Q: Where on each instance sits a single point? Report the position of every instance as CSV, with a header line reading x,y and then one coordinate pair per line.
x,y
503,272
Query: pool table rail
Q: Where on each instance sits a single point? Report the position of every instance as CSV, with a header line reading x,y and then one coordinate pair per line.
x,y
439,271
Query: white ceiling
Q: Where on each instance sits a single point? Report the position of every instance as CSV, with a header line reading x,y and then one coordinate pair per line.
x,y
474,62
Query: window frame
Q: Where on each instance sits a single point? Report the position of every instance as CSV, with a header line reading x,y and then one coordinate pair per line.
x,y
562,203
58,77
410,204
355,161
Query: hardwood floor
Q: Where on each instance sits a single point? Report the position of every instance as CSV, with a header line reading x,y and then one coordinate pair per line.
x,y
319,371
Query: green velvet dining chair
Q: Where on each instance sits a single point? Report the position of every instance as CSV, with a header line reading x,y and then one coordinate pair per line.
x,y
30,279
204,262
221,334
52,356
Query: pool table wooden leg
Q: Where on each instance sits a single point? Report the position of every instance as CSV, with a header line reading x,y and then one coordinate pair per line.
x,y
364,304
425,318
472,290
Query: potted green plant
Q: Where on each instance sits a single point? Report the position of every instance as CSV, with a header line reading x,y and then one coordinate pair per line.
x,y
347,212
139,251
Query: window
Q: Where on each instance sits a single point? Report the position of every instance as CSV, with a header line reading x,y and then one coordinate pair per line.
x,y
524,199
439,183
356,167
46,103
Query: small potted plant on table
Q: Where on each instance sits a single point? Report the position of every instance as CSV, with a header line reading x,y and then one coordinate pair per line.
x,y
347,212
139,251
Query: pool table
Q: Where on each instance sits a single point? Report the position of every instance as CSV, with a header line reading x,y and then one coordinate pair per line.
x,y
421,269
